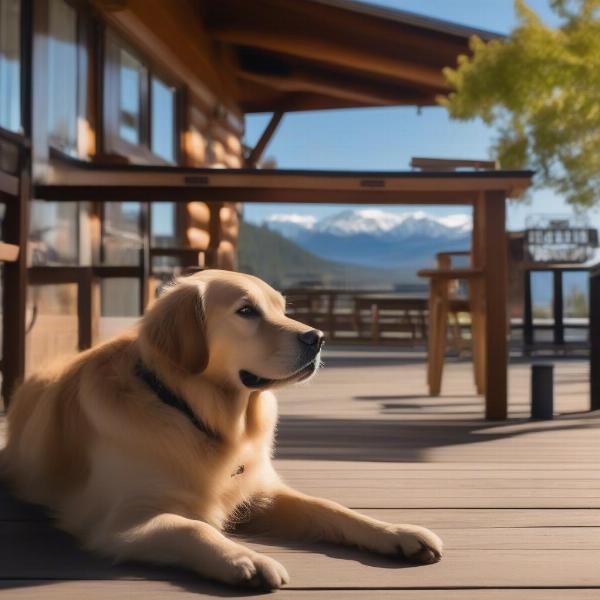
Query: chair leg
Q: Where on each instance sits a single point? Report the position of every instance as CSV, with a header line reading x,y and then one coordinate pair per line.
x,y
478,336
438,324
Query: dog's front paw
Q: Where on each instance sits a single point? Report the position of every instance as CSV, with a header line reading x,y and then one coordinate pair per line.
x,y
256,570
414,544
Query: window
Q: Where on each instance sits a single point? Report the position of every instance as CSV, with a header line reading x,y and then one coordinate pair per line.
x,y
131,76
10,65
121,233
164,230
163,120
62,76
140,108
53,234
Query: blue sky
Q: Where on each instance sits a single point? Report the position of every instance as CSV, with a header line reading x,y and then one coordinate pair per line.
x,y
386,138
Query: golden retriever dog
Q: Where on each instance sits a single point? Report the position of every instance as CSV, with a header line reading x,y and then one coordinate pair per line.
x,y
152,446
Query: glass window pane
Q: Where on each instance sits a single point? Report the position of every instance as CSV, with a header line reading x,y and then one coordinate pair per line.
x,y
163,120
575,294
542,298
120,305
163,224
131,75
62,76
121,233
53,233
10,64
52,323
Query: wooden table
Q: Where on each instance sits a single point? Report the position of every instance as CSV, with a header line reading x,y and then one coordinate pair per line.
x,y
486,191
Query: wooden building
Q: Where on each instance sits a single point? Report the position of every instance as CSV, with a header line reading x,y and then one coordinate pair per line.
x,y
114,114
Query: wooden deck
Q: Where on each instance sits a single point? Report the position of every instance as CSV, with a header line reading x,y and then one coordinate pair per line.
x,y
517,503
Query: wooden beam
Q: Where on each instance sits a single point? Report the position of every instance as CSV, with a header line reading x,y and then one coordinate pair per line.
x,y
450,164
334,86
324,51
258,150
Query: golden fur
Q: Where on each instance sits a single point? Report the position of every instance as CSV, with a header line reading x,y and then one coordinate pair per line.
x,y
133,478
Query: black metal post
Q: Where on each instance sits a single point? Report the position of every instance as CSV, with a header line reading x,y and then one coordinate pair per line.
x,y
595,338
542,391
527,315
558,308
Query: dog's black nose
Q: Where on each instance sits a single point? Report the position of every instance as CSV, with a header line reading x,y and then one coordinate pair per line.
x,y
312,337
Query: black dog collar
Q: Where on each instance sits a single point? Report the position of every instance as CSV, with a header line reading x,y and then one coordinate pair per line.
x,y
170,398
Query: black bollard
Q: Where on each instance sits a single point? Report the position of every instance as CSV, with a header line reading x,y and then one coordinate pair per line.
x,y
542,391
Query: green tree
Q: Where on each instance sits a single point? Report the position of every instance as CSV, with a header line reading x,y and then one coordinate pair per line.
x,y
540,87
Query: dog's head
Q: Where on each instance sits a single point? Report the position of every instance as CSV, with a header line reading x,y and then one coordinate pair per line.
x,y
232,328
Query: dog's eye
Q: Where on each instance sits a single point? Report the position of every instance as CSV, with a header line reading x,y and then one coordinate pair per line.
x,y
248,312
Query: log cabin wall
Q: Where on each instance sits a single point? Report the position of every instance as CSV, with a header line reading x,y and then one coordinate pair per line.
x,y
172,39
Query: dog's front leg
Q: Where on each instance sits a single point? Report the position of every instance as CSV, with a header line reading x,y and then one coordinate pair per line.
x,y
297,515
172,539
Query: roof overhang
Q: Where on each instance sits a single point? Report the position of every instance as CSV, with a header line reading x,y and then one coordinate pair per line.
x,y
317,54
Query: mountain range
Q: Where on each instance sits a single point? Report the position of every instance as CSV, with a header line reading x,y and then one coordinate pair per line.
x,y
375,238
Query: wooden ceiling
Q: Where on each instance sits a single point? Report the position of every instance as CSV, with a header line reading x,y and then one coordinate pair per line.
x,y
290,55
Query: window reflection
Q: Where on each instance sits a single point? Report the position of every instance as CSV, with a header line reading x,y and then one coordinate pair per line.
x,y
53,233
131,75
62,76
121,233
52,324
163,120
163,224
10,65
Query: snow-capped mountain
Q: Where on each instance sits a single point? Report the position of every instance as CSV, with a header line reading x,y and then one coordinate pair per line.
x,y
375,237
372,221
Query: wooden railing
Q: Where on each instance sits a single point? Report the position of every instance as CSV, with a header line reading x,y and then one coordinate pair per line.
x,y
361,315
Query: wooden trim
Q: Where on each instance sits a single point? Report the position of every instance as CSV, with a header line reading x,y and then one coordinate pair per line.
x,y
232,185
113,143
258,150
9,184
14,299
449,164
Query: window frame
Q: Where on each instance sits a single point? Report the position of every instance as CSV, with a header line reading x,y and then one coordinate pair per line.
x,y
113,143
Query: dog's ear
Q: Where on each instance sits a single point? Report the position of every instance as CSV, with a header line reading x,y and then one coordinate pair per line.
x,y
175,328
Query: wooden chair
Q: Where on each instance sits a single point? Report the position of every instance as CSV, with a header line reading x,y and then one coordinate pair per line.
x,y
441,304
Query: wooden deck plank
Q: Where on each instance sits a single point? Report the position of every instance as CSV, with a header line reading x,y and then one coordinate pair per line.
x,y
191,590
39,552
516,502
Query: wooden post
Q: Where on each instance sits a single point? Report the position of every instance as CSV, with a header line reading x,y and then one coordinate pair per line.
x,y
84,308
495,280
14,301
438,333
477,300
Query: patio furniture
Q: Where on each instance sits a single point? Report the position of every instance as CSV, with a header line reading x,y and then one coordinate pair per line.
x,y
440,305
388,314
485,191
